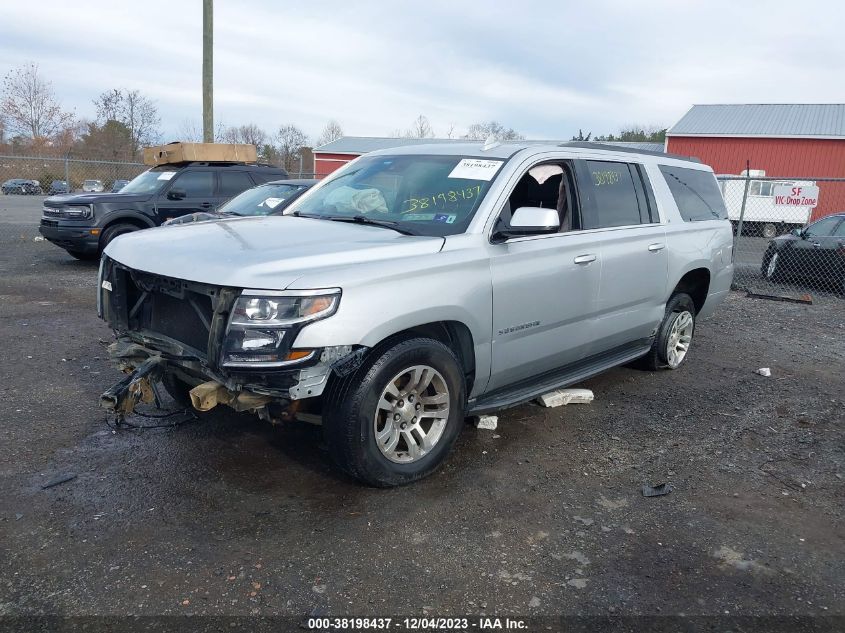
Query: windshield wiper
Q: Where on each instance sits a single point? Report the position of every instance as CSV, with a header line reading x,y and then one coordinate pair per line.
x,y
363,219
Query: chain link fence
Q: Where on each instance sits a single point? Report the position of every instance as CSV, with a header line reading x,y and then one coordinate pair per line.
x,y
30,175
789,233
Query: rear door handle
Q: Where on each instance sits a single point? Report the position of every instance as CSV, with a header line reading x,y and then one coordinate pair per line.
x,y
206,205
657,246
585,259
816,245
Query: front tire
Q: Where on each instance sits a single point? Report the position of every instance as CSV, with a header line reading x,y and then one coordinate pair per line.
x,y
771,268
84,257
113,231
674,336
396,419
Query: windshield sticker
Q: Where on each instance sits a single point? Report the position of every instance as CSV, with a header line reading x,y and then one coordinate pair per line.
x,y
166,175
421,217
272,202
475,169
442,199
443,217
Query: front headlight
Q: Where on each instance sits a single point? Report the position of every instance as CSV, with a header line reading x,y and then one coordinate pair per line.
x,y
262,326
283,310
77,211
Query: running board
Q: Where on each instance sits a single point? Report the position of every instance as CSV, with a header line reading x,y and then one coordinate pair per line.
x,y
531,388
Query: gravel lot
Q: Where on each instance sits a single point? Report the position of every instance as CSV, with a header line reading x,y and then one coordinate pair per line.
x,y
228,515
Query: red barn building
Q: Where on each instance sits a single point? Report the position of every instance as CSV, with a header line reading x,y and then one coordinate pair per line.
x,y
796,141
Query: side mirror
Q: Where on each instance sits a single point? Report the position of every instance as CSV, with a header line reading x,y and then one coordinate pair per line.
x,y
797,232
531,221
176,194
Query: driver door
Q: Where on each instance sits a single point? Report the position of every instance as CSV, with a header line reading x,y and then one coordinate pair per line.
x,y
191,191
545,290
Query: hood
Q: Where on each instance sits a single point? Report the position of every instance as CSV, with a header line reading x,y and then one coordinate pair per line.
x,y
262,253
91,198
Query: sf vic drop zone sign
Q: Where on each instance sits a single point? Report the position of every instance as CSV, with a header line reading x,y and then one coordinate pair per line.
x,y
790,196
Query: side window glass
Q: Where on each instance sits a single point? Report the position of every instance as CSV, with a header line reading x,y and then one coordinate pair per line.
x,y
696,193
548,186
615,200
840,230
821,228
195,184
234,182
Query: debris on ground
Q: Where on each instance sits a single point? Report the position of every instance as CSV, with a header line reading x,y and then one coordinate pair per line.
x,y
61,479
764,371
792,298
486,422
657,491
38,238
560,397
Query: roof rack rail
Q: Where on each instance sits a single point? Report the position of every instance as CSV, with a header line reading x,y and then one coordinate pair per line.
x,y
609,146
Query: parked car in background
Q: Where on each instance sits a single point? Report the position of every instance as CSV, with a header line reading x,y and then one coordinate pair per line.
x,y
57,187
418,285
83,224
816,252
270,199
21,186
92,186
118,185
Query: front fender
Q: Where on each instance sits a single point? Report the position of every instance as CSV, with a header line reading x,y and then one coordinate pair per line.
x,y
126,214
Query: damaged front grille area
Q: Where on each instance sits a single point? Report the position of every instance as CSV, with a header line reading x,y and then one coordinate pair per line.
x,y
190,314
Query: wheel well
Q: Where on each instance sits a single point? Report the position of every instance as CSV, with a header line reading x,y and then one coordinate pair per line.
x,y
454,335
696,283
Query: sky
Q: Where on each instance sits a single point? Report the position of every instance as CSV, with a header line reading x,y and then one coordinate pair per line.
x,y
545,68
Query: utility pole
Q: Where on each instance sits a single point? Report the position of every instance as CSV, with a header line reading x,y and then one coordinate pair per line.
x,y
208,71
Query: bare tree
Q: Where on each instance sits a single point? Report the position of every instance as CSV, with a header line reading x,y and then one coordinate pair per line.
x,y
451,132
290,141
331,132
420,128
29,106
190,131
133,110
480,131
249,133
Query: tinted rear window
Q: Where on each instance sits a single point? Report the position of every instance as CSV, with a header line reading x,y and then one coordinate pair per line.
x,y
696,193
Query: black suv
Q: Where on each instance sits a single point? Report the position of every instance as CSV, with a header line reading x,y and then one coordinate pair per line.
x,y
83,224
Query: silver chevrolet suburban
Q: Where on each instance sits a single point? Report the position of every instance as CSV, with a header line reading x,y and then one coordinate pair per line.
x,y
419,285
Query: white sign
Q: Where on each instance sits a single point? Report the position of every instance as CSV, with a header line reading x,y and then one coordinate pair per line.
x,y
796,196
475,169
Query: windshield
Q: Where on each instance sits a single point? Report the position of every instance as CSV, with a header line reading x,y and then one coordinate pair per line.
x,y
150,181
262,200
423,195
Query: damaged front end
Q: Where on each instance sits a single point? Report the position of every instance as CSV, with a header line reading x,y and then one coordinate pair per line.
x,y
223,345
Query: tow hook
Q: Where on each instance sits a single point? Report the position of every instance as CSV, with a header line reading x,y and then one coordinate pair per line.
x,y
136,387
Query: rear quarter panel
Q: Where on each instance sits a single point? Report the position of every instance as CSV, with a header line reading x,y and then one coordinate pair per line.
x,y
705,244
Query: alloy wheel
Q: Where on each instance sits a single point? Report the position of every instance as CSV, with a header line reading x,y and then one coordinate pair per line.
x,y
411,414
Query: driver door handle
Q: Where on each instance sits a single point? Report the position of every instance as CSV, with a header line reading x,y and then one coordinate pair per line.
x,y
206,205
657,246
816,245
585,259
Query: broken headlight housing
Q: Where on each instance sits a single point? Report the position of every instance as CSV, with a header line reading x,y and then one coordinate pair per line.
x,y
263,326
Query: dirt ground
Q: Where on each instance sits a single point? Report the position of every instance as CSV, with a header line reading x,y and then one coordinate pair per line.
x,y
227,515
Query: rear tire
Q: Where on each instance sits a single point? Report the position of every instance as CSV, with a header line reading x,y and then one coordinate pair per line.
x,y
675,331
365,415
